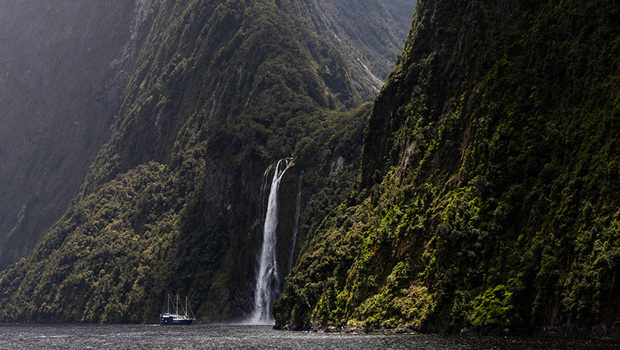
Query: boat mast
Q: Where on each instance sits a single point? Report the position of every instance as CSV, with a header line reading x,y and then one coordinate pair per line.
x,y
176,309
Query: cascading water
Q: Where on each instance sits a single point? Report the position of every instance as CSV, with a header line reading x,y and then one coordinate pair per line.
x,y
268,279
296,223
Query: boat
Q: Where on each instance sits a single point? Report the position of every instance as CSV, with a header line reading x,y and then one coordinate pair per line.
x,y
180,316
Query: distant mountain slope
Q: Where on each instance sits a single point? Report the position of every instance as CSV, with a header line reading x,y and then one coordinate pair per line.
x,y
490,191
216,92
61,81
367,32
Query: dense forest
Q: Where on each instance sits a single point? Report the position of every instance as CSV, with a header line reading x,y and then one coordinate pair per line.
x,y
207,94
477,189
489,194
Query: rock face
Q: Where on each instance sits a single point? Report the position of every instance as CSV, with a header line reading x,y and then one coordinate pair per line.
x,y
200,98
62,73
489,186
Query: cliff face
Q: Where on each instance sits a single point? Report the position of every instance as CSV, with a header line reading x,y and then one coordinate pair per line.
x,y
489,188
61,80
369,34
215,92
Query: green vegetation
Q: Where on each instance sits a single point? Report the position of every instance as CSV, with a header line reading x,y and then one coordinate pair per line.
x,y
216,91
489,191
485,194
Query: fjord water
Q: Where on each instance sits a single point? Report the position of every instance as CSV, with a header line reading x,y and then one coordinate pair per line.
x,y
155,337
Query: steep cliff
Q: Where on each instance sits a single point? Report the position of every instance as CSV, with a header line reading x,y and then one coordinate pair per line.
x,y
489,194
369,34
216,92
62,72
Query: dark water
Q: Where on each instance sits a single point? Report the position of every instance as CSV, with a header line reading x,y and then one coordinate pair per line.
x,y
155,337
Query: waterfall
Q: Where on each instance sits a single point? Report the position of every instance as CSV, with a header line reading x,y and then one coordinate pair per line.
x,y
268,279
296,222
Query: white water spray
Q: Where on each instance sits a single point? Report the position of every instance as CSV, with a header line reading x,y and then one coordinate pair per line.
x,y
268,279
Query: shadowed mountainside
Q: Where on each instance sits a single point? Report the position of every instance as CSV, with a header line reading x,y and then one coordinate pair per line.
x,y
62,71
489,190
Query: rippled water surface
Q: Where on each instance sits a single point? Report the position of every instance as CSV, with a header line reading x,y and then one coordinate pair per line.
x,y
155,337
